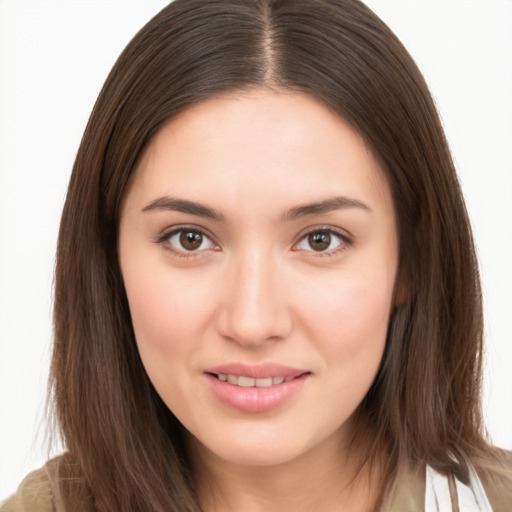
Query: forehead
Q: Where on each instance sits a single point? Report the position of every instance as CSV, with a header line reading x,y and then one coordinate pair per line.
x,y
284,147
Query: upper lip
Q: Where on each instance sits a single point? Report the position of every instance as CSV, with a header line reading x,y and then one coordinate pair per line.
x,y
257,371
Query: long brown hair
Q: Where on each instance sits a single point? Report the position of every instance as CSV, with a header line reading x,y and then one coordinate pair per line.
x,y
125,448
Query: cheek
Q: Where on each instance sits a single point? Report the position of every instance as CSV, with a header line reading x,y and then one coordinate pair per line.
x,y
168,318
167,313
350,321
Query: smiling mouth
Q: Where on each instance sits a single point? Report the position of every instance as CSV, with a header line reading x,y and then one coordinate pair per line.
x,y
250,382
256,389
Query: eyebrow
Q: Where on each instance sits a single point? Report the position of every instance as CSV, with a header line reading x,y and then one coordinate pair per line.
x,y
184,206
331,204
193,208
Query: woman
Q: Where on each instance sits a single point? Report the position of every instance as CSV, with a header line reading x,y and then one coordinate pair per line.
x,y
266,287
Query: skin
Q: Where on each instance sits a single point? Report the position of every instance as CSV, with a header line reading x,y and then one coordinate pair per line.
x,y
256,291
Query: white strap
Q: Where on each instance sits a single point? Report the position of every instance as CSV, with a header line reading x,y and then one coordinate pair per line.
x,y
471,497
437,492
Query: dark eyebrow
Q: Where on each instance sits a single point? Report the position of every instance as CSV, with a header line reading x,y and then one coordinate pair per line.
x,y
184,206
334,203
192,208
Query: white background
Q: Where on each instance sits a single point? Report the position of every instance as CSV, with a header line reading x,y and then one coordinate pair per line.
x,y
54,57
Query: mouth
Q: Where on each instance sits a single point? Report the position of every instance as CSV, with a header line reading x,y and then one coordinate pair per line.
x,y
256,388
245,381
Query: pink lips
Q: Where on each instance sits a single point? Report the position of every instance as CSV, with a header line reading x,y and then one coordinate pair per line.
x,y
256,399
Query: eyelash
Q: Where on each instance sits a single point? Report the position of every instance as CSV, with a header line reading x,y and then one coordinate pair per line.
x,y
345,241
164,239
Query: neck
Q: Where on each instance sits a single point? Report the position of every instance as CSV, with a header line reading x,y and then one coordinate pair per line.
x,y
329,478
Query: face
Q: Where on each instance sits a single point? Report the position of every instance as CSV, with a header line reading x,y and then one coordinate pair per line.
x,y
258,248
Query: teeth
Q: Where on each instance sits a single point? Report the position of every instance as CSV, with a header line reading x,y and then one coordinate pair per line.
x,y
245,382
264,383
249,382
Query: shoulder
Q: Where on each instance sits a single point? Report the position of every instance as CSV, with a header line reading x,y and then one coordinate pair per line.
x,y
37,492
497,481
408,491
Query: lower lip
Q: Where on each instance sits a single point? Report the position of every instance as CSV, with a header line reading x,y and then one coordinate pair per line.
x,y
256,399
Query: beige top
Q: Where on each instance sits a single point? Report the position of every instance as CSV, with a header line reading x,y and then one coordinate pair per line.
x,y
39,492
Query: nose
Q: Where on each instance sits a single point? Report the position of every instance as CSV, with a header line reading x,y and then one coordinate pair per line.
x,y
254,310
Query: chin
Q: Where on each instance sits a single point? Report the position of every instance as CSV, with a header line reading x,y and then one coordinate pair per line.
x,y
248,445
256,455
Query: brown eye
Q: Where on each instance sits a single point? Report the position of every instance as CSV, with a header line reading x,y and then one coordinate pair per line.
x,y
189,240
322,240
319,241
